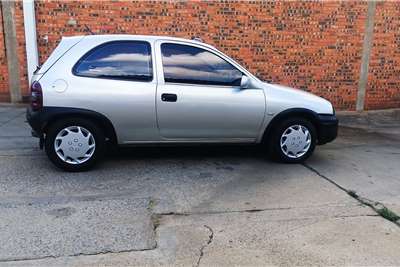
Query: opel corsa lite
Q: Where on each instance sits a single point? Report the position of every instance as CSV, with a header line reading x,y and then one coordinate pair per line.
x,y
130,89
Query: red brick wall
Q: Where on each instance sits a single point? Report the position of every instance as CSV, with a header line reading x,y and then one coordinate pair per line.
x,y
4,95
20,32
19,26
383,90
313,46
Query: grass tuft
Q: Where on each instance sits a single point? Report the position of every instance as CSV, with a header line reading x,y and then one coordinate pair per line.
x,y
156,220
388,214
352,194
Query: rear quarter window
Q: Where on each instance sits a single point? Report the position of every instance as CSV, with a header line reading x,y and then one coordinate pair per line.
x,y
125,60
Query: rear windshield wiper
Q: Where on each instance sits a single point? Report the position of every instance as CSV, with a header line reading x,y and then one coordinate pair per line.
x,y
37,69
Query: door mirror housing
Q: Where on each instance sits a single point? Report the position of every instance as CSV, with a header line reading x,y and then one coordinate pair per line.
x,y
245,82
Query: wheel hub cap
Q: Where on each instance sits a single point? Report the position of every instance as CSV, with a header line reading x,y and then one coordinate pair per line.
x,y
295,141
74,145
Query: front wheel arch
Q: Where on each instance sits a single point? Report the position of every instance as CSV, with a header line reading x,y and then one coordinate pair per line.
x,y
286,114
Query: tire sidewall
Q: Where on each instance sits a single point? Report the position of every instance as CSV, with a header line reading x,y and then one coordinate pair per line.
x,y
276,139
98,136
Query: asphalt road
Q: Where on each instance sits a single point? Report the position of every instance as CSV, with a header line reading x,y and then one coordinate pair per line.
x,y
203,205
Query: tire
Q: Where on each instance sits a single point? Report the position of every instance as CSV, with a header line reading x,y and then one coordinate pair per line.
x,y
296,128
80,144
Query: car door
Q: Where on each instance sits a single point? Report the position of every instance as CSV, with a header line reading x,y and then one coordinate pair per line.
x,y
199,96
117,80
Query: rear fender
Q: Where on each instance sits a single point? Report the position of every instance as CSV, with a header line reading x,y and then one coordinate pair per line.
x,y
41,120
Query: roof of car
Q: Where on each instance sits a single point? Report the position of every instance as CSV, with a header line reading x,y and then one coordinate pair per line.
x,y
133,37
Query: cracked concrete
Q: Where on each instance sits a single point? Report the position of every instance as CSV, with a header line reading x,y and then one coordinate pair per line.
x,y
76,228
370,169
199,206
378,207
210,239
258,238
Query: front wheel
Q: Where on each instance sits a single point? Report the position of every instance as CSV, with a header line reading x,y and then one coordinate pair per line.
x,y
293,141
74,144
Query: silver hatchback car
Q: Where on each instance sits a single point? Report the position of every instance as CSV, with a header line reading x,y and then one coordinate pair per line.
x,y
131,89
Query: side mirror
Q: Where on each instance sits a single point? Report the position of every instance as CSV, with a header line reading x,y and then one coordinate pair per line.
x,y
245,82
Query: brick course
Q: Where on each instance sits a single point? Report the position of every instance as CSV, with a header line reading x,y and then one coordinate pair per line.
x,y
314,46
4,95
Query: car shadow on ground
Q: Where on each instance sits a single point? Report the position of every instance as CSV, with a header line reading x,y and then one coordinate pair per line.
x,y
187,152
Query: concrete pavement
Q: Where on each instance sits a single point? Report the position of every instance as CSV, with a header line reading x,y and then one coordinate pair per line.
x,y
199,206
366,158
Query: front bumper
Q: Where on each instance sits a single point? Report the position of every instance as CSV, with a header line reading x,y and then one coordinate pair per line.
x,y
327,128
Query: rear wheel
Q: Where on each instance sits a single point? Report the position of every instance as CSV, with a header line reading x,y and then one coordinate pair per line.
x,y
293,140
75,144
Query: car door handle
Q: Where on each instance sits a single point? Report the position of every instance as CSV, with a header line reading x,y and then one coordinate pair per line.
x,y
169,97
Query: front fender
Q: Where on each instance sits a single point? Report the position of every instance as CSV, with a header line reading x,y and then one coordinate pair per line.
x,y
325,124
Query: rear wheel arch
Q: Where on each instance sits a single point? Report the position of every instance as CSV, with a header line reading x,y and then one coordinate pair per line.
x,y
290,113
56,114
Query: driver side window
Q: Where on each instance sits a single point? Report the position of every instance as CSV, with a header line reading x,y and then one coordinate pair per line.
x,y
193,65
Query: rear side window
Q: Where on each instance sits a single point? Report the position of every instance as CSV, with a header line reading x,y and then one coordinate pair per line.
x,y
189,64
125,60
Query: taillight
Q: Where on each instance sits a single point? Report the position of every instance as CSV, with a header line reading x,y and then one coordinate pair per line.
x,y
36,96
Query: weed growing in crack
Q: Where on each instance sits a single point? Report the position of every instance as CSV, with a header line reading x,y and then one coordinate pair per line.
x,y
152,204
388,214
376,206
156,220
352,194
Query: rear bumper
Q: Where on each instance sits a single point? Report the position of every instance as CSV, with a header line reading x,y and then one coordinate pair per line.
x,y
34,119
327,128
